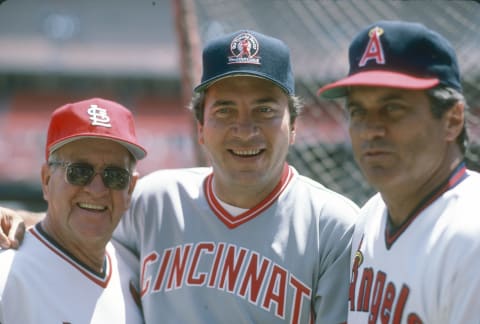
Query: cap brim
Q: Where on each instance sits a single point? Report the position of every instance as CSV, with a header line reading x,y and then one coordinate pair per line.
x,y
376,79
137,151
205,84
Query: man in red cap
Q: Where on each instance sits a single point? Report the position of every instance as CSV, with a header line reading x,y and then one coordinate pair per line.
x,y
68,270
416,245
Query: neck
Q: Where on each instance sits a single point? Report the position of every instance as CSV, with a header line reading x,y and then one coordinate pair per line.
x,y
247,195
89,252
241,196
402,204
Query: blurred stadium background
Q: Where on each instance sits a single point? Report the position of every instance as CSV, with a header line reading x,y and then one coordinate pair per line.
x,y
145,54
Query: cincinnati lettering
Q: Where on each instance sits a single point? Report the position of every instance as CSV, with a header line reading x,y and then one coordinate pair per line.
x,y
229,268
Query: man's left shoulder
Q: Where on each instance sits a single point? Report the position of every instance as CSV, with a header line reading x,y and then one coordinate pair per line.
x,y
332,204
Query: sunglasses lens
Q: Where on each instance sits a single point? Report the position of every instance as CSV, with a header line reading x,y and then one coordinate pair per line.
x,y
79,174
116,178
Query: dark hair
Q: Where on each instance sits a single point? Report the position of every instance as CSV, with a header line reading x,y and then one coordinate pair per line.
x,y
197,105
443,99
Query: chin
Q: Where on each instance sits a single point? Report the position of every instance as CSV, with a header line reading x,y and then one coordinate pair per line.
x,y
378,176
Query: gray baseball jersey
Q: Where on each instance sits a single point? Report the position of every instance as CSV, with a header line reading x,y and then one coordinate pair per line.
x,y
426,271
42,283
285,260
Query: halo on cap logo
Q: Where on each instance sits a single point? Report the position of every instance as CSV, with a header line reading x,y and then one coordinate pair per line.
x,y
375,30
244,49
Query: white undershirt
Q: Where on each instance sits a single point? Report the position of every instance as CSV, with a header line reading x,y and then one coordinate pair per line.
x,y
232,210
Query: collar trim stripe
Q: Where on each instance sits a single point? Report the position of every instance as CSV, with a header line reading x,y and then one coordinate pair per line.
x,y
100,279
233,222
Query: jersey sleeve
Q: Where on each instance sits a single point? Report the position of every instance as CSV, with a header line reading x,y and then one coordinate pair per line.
x,y
336,229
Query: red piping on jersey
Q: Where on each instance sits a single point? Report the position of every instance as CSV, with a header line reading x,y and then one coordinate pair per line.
x,y
102,281
455,178
231,221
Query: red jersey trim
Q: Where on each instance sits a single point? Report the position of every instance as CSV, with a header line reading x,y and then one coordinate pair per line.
x,y
455,178
233,222
101,280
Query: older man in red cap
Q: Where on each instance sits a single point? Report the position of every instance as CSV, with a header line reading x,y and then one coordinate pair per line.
x,y
68,270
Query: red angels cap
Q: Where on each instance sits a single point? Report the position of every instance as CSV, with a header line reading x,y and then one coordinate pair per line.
x,y
93,118
398,54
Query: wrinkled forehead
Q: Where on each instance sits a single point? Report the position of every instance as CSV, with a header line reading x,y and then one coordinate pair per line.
x,y
87,148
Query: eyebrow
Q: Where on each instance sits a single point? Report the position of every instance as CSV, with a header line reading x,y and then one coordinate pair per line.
x,y
386,97
266,100
218,103
231,102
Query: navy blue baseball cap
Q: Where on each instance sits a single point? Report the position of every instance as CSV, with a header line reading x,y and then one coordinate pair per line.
x,y
398,54
248,53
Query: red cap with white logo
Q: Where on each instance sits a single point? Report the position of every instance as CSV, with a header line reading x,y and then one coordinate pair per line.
x,y
93,118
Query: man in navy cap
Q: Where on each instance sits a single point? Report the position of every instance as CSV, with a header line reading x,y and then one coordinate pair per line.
x,y
247,240
416,245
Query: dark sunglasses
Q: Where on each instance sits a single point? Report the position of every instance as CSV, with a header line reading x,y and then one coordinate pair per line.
x,y
81,174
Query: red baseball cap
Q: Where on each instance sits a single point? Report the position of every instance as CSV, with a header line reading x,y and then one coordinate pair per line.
x,y
93,118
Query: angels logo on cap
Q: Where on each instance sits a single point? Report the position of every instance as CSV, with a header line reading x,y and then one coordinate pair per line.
x,y
244,48
374,50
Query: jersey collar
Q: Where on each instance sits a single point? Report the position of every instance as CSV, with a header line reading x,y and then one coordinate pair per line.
x,y
234,221
392,233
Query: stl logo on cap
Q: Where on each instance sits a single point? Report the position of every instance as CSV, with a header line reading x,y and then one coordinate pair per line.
x,y
374,50
244,48
98,116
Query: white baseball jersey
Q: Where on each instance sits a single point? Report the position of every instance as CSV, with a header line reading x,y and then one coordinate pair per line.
x,y
41,283
285,260
427,270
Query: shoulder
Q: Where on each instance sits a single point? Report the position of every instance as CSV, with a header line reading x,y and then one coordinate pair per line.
x,y
462,200
461,208
124,258
17,263
322,193
172,178
470,185
370,209
331,203
6,260
176,175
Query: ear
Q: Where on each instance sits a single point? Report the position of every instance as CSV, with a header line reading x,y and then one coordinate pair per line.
x,y
45,178
454,121
133,182
293,133
200,138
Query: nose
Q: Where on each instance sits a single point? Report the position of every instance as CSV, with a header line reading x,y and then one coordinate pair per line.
x,y
371,128
96,186
245,127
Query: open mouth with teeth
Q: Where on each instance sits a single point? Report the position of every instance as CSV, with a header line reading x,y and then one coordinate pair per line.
x,y
246,153
92,207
